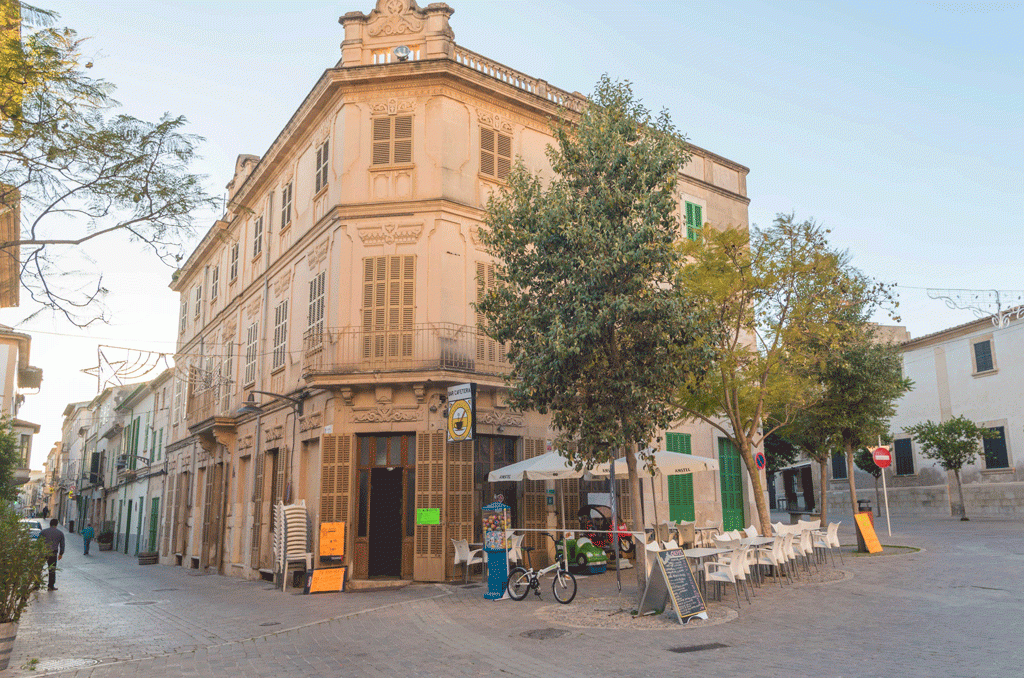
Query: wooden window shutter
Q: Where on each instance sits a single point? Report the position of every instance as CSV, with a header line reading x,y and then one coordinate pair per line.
x,y
983,356
460,492
403,139
429,550
487,163
487,349
625,501
535,516
995,449
680,487
257,510
694,220
504,156
382,141
172,489
336,478
180,508
389,306
839,466
904,457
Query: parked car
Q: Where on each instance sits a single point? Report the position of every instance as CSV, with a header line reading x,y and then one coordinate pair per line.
x,y
34,526
597,517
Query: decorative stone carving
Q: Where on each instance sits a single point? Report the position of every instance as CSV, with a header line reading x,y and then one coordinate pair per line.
x,y
324,130
273,433
282,283
384,395
393,106
230,325
501,399
254,306
387,413
474,234
395,17
390,234
347,395
494,120
500,419
317,255
420,392
311,421
245,443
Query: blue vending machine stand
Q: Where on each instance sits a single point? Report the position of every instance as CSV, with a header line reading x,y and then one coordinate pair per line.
x,y
496,523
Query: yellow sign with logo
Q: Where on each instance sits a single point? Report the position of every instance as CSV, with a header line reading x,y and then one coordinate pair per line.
x,y
461,424
867,531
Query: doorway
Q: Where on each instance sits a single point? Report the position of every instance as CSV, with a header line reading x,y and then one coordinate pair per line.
x,y
385,534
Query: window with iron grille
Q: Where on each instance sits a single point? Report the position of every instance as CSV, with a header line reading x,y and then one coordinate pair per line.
x,y
495,153
996,455
392,140
322,162
315,313
694,220
983,360
257,237
250,354
214,283
839,466
280,334
286,205
233,270
903,451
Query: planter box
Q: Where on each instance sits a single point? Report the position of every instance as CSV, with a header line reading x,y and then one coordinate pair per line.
x,y
8,631
148,557
109,546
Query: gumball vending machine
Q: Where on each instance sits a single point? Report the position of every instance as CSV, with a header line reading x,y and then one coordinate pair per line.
x,y
496,521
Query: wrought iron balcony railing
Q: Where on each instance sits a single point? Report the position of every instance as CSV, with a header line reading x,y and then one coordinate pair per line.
x,y
413,348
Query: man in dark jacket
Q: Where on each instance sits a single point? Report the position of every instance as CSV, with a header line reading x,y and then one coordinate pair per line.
x,y
55,538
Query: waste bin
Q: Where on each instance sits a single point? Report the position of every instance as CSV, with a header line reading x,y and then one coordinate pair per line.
x,y
71,526
863,505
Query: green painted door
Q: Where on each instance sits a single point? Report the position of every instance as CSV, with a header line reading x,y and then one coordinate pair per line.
x,y
680,487
732,485
128,526
154,512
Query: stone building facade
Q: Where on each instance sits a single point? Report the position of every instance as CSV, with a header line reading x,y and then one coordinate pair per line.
x,y
341,277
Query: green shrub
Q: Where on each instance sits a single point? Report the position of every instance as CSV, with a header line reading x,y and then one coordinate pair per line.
x,y
21,564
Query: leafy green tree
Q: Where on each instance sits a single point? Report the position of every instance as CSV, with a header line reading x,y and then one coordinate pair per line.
x,y
10,459
588,297
776,301
865,461
953,443
76,172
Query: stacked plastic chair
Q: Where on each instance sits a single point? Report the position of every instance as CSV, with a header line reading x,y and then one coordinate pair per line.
x,y
291,538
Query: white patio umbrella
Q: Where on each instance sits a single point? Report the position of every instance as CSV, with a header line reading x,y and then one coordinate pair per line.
x,y
666,463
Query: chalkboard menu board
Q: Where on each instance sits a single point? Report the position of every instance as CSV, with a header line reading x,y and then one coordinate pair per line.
x,y
673,579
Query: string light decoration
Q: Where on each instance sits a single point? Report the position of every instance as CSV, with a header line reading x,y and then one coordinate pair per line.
x,y
1002,306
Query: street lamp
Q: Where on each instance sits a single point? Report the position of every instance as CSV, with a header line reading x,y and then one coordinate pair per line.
x,y
251,407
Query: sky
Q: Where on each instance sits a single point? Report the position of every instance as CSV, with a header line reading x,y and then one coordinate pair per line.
x,y
895,125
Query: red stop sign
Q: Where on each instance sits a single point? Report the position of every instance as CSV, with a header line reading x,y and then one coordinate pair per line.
x,y
881,456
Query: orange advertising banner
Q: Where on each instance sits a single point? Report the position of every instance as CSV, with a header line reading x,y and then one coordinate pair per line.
x,y
867,531
330,580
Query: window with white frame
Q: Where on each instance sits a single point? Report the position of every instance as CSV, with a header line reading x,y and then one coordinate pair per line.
x,y
315,314
250,354
198,300
214,283
257,237
322,163
280,334
233,269
286,205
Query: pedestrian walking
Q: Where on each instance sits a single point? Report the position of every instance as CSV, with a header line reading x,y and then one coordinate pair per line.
x,y
55,538
88,534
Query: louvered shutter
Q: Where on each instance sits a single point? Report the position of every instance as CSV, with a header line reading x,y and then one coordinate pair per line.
x,y
180,512
208,476
535,512
389,306
995,449
625,502
487,151
257,510
171,486
694,220
504,156
488,351
904,455
460,493
382,141
680,487
403,139
430,551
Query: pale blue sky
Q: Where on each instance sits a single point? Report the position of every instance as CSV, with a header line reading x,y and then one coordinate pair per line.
x,y
897,125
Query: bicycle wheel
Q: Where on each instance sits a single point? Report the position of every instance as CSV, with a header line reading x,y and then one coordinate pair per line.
x,y
518,583
563,586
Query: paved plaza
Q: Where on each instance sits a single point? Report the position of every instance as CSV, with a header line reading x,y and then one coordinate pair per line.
x,y
954,608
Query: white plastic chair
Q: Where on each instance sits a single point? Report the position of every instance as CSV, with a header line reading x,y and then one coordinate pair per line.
x,y
751,531
729,569
671,544
515,548
774,556
465,556
829,540
789,553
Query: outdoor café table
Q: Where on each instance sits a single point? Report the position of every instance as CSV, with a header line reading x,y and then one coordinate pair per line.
x,y
757,541
700,533
699,554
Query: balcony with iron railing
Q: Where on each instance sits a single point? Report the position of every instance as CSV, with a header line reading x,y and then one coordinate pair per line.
x,y
427,347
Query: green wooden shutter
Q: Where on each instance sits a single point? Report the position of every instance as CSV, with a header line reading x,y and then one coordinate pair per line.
x,y
694,220
732,485
680,487
154,516
995,450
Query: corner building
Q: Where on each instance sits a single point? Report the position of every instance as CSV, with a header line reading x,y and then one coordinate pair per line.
x,y
342,275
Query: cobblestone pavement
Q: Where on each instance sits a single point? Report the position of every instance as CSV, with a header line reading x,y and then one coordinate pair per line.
x,y
951,609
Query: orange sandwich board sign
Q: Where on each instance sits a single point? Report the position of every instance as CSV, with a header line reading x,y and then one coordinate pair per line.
x,y
332,541
867,532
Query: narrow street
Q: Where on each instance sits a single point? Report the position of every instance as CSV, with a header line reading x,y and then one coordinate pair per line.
x,y
952,609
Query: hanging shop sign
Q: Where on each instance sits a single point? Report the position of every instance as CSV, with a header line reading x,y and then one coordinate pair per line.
x,y
461,412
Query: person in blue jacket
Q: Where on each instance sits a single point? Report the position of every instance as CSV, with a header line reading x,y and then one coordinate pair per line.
x,y
88,534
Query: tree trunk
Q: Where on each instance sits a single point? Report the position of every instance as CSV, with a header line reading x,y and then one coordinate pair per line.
x,y
636,523
760,496
823,474
960,490
849,475
878,500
